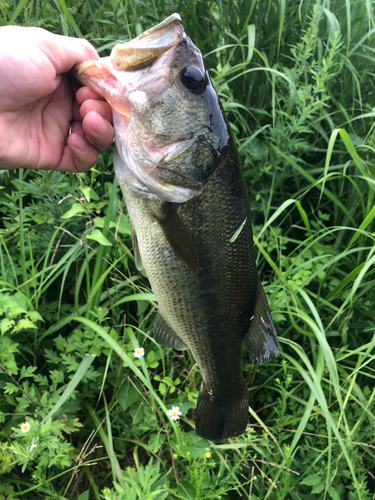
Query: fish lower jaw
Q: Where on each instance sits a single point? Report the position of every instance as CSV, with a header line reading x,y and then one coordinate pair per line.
x,y
149,190
140,169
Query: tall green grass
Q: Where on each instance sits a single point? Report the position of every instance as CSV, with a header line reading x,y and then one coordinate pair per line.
x,y
296,80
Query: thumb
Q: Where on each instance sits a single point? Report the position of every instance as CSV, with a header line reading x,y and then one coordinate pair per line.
x,y
63,51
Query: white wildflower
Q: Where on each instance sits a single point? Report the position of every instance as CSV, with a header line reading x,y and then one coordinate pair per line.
x,y
139,352
25,427
174,413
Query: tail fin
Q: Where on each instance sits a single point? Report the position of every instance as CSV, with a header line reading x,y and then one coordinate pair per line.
x,y
220,418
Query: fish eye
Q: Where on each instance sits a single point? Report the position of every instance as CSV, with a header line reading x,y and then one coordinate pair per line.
x,y
193,79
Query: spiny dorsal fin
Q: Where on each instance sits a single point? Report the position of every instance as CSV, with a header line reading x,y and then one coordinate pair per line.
x,y
178,237
261,339
164,335
137,255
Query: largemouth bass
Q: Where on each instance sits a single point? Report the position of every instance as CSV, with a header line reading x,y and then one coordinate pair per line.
x,y
178,168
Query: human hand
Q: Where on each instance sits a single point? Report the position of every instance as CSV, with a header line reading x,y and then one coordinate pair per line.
x,y
37,103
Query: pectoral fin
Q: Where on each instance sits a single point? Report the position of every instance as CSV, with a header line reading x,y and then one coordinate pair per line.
x,y
164,335
261,339
178,237
137,255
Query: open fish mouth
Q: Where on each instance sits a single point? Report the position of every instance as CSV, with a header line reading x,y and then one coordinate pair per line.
x,y
134,80
109,76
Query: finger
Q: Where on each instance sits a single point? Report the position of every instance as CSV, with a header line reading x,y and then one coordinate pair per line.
x,y
98,130
67,163
100,107
81,154
93,104
84,93
77,129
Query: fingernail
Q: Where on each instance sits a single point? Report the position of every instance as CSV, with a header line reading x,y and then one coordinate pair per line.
x,y
100,127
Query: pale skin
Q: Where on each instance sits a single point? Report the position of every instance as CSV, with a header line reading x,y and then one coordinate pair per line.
x,y
39,102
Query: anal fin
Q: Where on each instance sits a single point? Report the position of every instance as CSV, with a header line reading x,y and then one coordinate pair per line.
x,y
164,335
261,338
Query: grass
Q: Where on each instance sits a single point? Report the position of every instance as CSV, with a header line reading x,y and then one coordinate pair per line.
x,y
73,307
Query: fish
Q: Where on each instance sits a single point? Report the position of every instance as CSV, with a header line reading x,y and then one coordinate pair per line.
x,y
176,162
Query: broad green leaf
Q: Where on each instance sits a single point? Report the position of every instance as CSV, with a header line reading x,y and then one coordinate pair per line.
x,y
75,209
35,316
121,224
86,192
39,219
156,440
127,395
98,236
318,488
312,480
333,493
99,223
24,324
5,325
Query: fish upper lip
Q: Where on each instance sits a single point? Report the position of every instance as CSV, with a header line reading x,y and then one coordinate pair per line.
x,y
140,51
143,50
160,29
